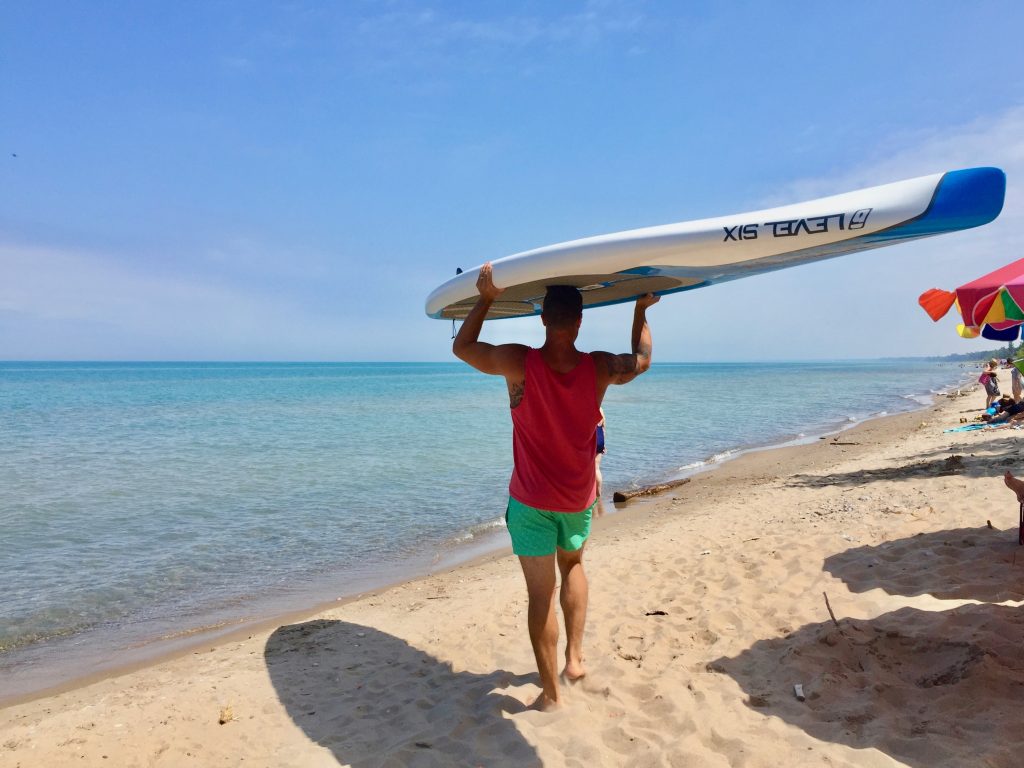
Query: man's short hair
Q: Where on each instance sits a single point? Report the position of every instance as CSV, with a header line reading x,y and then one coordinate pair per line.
x,y
563,306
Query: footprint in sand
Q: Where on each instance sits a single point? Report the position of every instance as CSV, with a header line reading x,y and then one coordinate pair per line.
x,y
629,643
705,638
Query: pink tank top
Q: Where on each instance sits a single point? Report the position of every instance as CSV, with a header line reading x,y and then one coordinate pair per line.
x,y
554,437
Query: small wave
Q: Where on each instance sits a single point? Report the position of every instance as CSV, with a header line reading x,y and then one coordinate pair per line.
x,y
717,458
921,399
477,530
31,637
692,465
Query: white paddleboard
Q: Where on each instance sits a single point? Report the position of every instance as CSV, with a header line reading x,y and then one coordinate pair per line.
x,y
619,267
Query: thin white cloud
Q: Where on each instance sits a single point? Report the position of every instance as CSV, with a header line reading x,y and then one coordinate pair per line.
x,y
414,29
236,63
994,140
45,290
988,140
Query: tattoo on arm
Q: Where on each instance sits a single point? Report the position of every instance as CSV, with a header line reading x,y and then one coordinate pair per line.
x,y
515,393
643,349
621,365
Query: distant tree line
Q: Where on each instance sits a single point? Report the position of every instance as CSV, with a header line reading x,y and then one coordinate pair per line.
x,y
1001,353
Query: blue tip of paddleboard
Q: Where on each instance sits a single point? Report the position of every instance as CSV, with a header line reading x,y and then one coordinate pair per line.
x,y
963,199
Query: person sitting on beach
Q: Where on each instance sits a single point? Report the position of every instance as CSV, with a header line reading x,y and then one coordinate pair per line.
x,y
1003,410
1004,402
555,395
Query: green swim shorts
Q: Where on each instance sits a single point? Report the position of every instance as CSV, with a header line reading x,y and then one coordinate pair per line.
x,y
536,532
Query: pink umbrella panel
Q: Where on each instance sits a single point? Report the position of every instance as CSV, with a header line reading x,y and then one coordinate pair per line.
x,y
991,306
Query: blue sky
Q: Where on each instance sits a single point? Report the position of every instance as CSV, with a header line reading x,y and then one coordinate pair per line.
x,y
288,181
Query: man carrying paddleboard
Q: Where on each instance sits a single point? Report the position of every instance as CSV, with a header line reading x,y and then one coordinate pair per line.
x,y
555,394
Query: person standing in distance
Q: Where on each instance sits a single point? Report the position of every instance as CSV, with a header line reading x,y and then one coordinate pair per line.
x,y
555,395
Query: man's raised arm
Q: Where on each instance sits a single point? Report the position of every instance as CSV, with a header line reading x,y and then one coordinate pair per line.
x,y
502,360
619,369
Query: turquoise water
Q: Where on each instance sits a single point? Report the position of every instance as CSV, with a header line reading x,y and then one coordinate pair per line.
x,y
146,499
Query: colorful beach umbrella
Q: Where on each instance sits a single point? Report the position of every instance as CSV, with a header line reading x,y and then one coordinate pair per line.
x,y
991,306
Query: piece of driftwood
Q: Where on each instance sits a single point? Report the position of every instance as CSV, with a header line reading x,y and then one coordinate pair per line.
x,y
620,496
830,610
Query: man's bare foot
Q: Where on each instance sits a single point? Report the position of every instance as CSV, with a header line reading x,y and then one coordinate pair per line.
x,y
1015,485
545,703
574,670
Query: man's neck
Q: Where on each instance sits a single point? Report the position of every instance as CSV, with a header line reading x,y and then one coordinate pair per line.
x,y
559,350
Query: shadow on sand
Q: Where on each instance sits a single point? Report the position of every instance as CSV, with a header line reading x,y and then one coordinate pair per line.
x,y
374,700
991,461
927,688
984,564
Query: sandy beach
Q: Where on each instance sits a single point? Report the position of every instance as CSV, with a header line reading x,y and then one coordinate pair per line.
x,y
707,607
